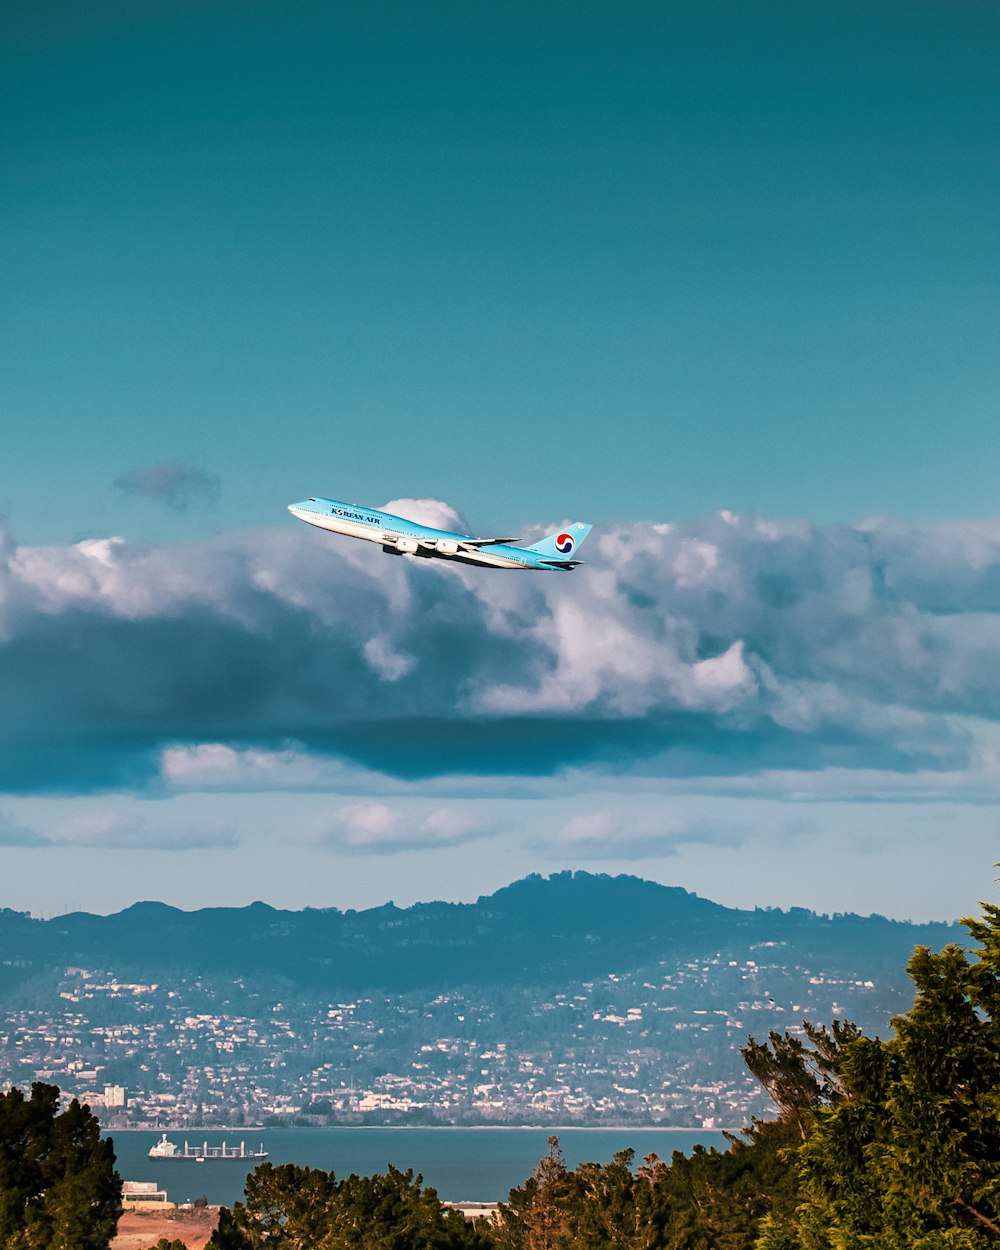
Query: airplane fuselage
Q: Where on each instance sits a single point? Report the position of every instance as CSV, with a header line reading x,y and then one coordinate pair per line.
x,y
400,536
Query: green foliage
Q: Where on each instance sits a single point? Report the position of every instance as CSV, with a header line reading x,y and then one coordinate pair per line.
x,y
712,1200
557,1209
801,1078
907,1155
775,1234
58,1184
392,1212
286,1206
292,1208
163,1244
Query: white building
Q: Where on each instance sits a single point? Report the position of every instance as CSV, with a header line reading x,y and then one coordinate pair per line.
x,y
143,1195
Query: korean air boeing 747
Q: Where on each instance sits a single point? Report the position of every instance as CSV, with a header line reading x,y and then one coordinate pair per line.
x,y
400,537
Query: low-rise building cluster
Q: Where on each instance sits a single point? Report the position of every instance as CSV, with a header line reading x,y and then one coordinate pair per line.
x,y
658,1045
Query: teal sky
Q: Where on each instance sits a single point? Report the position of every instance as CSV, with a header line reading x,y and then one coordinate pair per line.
x,y
626,260
721,278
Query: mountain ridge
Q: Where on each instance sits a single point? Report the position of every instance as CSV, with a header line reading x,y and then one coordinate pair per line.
x,y
574,998
520,885
536,929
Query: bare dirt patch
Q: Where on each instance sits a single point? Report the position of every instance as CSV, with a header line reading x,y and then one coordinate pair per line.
x,y
138,1230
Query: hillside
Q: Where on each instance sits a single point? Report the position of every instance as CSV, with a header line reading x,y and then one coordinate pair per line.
x,y
533,932
573,999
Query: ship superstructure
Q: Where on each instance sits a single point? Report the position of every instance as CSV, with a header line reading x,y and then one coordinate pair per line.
x,y
166,1149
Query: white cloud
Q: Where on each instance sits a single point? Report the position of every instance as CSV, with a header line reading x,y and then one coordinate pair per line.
x,y
388,663
379,828
730,645
614,834
430,512
215,765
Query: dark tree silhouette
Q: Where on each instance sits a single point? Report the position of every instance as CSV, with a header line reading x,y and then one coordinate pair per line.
x,y
58,1186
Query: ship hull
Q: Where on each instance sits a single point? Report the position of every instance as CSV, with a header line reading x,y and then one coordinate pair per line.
x,y
166,1151
236,1158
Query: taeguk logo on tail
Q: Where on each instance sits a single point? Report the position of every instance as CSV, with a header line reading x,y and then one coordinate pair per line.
x,y
565,544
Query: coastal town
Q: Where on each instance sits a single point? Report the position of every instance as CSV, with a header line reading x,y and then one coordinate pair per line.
x,y
657,1046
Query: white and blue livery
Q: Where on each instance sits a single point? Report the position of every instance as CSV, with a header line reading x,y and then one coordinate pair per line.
x,y
399,537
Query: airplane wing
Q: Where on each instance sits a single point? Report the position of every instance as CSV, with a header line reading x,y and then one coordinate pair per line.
x,y
487,542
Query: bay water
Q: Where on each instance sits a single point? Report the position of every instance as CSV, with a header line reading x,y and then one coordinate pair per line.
x,y
463,1164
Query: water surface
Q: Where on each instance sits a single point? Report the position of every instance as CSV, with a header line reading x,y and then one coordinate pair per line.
x,y
473,1164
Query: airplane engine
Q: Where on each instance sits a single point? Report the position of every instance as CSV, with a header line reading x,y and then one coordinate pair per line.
x,y
406,546
446,547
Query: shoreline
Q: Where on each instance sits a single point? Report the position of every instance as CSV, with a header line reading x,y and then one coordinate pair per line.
x,y
434,1128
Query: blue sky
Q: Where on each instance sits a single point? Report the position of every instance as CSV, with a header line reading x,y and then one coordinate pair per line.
x,y
721,279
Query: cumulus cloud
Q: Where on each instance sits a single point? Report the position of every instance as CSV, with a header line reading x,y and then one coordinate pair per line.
x,y
432,512
216,765
178,486
374,827
609,834
725,647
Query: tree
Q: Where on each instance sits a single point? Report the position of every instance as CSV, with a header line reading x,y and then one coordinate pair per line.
x,y
718,1200
58,1184
906,1155
393,1212
710,1200
800,1077
286,1206
536,1215
292,1208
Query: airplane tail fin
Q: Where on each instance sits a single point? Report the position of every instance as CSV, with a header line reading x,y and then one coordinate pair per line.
x,y
563,544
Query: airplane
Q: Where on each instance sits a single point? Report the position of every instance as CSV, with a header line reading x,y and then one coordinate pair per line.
x,y
400,537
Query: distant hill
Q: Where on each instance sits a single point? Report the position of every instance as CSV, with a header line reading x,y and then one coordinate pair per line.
x,y
537,931
576,998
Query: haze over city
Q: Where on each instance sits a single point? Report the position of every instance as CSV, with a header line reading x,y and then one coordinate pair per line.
x,y
720,280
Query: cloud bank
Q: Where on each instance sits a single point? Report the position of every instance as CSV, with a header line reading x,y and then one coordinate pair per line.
x,y
719,648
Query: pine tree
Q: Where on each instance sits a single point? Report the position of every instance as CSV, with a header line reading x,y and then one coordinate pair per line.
x,y
292,1208
286,1206
58,1186
908,1158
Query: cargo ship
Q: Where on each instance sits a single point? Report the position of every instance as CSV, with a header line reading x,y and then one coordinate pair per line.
x,y
166,1149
